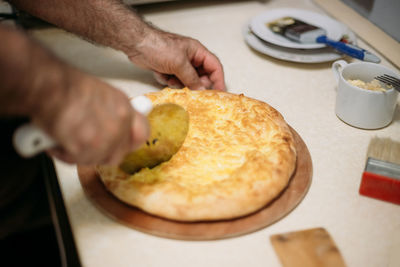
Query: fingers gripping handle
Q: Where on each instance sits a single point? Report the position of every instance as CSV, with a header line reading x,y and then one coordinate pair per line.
x,y
142,104
30,140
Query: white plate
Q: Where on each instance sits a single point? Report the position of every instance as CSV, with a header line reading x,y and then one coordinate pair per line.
x,y
319,55
259,27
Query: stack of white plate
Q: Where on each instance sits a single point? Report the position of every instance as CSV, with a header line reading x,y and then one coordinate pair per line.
x,y
261,38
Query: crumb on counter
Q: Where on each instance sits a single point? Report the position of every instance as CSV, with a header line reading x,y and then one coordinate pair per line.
x,y
373,85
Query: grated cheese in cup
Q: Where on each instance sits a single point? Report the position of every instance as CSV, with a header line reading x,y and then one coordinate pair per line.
x,y
373,85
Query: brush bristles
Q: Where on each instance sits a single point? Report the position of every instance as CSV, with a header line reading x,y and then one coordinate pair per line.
x,y
384,149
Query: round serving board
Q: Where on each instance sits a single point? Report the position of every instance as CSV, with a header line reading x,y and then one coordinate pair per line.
x,y
204,230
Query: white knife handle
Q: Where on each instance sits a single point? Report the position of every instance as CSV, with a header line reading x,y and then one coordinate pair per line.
x,y
30,140
142,104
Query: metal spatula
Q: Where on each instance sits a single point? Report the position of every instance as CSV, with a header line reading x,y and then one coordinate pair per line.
x,y
169,124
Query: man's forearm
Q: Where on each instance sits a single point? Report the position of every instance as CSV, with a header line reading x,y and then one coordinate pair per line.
x,y
30,76
106,22
113,24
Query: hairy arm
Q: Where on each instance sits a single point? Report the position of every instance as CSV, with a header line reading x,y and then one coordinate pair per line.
x,y
91,121
106,22
28,74
175,59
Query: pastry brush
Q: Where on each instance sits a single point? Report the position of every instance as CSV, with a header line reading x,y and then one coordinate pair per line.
x,y
381,177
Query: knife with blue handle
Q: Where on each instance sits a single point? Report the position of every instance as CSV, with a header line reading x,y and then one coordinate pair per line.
x,y
305,33
348,49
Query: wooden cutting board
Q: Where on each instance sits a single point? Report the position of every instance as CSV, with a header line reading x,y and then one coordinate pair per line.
x,y
307,248
207,230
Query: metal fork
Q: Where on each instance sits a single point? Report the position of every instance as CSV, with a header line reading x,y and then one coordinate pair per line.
x,y
389,80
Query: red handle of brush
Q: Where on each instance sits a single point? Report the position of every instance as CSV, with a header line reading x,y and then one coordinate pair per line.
x,y
380,187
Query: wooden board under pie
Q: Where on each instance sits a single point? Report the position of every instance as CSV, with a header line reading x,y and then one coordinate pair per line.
x,y
239,155
240,168
139,220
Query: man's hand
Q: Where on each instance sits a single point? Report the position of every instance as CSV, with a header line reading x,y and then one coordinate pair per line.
x,y
178,61
95,124
92,122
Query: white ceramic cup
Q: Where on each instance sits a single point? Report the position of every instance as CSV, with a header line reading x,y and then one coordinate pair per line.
x,y
359,107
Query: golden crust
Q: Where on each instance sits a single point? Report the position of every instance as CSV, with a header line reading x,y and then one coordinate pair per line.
x,y
238,156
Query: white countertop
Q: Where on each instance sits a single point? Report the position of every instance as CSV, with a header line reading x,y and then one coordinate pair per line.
x,y
367,231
